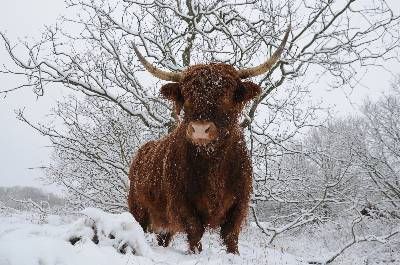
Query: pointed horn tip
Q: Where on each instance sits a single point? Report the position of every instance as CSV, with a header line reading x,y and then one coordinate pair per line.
x,y
135,48
288,30
258,70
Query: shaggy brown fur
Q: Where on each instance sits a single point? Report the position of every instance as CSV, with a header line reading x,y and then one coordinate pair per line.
x,y
178,186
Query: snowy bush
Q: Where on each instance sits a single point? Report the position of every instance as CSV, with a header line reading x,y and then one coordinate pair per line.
x,y
118,230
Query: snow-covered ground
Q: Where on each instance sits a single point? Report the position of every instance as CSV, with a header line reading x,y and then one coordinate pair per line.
x,y
22,242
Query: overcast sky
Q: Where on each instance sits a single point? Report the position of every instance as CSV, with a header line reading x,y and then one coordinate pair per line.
x,y
22,148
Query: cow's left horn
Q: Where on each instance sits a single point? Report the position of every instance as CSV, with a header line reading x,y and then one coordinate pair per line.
x,y
263,68
167,76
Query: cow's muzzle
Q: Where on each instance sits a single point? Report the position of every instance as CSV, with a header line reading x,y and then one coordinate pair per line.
x,y
201,132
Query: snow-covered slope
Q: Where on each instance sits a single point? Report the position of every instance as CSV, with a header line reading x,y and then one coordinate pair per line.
x,y
26,243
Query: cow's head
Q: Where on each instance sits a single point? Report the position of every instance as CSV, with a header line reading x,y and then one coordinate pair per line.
x,y
211,96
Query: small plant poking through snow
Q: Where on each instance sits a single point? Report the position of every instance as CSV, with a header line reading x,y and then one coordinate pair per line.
x,y
118,230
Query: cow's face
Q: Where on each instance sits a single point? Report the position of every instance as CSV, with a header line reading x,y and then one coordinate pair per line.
x,y
212,97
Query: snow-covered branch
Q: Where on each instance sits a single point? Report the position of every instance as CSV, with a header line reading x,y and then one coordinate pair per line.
x,y
355,240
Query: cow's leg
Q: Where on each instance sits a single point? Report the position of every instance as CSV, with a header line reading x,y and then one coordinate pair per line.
x,y
195,231
194,235
164,239
231,227
141,217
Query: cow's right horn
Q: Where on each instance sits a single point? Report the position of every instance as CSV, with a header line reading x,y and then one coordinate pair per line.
x,y
167,76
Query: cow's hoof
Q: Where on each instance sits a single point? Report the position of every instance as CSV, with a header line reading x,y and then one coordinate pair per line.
x,y
234,251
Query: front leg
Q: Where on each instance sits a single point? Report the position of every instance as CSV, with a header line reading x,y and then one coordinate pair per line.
x,y
241,186
230,229
165,238
195,231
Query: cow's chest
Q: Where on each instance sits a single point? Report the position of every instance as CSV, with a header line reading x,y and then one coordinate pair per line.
x,y
212,209
212,196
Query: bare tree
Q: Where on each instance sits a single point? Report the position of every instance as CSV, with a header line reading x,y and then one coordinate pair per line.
x,y
382,161
323,178
92,154
309,180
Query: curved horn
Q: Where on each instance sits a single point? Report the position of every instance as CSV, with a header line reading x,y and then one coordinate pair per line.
x,y
264,67
167,76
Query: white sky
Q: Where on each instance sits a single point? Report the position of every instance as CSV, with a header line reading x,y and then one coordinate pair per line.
x,y
22,148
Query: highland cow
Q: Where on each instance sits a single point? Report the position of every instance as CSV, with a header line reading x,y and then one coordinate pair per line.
x,y
198,176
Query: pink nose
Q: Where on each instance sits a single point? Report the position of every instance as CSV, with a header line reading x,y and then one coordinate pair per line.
x,y
201,132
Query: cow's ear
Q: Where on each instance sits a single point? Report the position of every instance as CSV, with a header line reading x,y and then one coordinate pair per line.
x,y
172,91
246,91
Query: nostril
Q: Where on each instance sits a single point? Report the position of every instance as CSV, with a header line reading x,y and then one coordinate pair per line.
x,y
207,130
